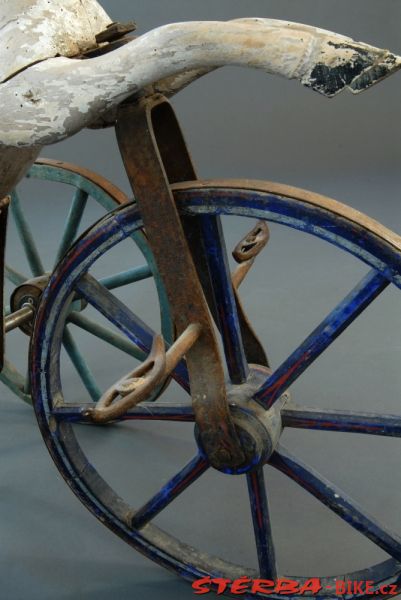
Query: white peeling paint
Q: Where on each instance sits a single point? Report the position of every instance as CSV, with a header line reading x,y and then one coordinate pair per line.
x,y
33,30
55,98
58,97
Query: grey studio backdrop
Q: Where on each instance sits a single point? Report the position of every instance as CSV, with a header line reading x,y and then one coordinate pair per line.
x,y
238,123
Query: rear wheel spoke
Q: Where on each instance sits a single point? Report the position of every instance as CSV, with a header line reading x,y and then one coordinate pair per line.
x,y
73,222
127,322
335,499
173,488
261,524
13,379
116,312
26,236
81,365
14,276
322,337
107,335
126,277
27,384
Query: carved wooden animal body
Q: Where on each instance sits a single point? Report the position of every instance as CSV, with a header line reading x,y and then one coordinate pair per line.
x,y
33,31
47,95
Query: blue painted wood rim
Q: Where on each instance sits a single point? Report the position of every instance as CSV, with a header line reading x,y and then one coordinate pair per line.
x,y
86,483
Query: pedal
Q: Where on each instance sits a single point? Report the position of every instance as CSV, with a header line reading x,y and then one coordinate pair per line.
x,y
245,253
250,246
247,250
141,383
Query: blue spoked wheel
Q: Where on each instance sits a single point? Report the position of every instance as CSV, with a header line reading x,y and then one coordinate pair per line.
x,y
59,420
67,199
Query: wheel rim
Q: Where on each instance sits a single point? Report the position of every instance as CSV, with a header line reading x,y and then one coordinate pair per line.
x,y
372,244
87,188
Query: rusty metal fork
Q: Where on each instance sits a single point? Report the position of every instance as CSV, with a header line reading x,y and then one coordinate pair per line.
x,y
151,186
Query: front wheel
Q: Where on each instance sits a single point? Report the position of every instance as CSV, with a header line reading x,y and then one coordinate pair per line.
x,y
125,502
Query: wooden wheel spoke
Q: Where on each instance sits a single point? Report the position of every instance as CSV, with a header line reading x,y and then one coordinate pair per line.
x,y
116,312
341,420
227,315
261,524
322,337
73,222
14,380
173,488
124,319
303,213
145,411
335,499
26,236
81,365
126,277
27,384
107,335
14,276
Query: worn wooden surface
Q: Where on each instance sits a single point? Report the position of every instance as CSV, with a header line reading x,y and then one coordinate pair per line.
x,y
57,97
34,30
47,96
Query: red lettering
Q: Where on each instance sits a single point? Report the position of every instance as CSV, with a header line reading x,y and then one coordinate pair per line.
x,y
262,586
312,585
221,584
390,590
240,586
199,585
287,586
359,587
340,588
284,586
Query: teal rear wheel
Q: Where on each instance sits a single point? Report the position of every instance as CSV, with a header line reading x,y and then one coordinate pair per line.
x,y
55,203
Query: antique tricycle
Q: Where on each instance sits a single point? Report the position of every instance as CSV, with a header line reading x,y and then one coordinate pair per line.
x,y
66,66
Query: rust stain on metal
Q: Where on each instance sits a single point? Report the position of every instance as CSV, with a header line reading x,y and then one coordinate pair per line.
x,y
141,383
252,243
161,220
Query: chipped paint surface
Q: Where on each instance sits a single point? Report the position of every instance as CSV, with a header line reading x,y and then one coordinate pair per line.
x,y
57,97
34,30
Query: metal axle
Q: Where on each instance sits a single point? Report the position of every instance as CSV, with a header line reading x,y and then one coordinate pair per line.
x,y
19,317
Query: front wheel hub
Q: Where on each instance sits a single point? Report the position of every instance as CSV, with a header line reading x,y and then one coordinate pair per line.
x,y
259,430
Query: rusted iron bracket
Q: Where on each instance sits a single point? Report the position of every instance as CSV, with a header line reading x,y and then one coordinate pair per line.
x,y
149,181
179,167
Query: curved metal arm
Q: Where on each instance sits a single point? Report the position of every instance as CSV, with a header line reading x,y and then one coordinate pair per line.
x,y
139,385
56,98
